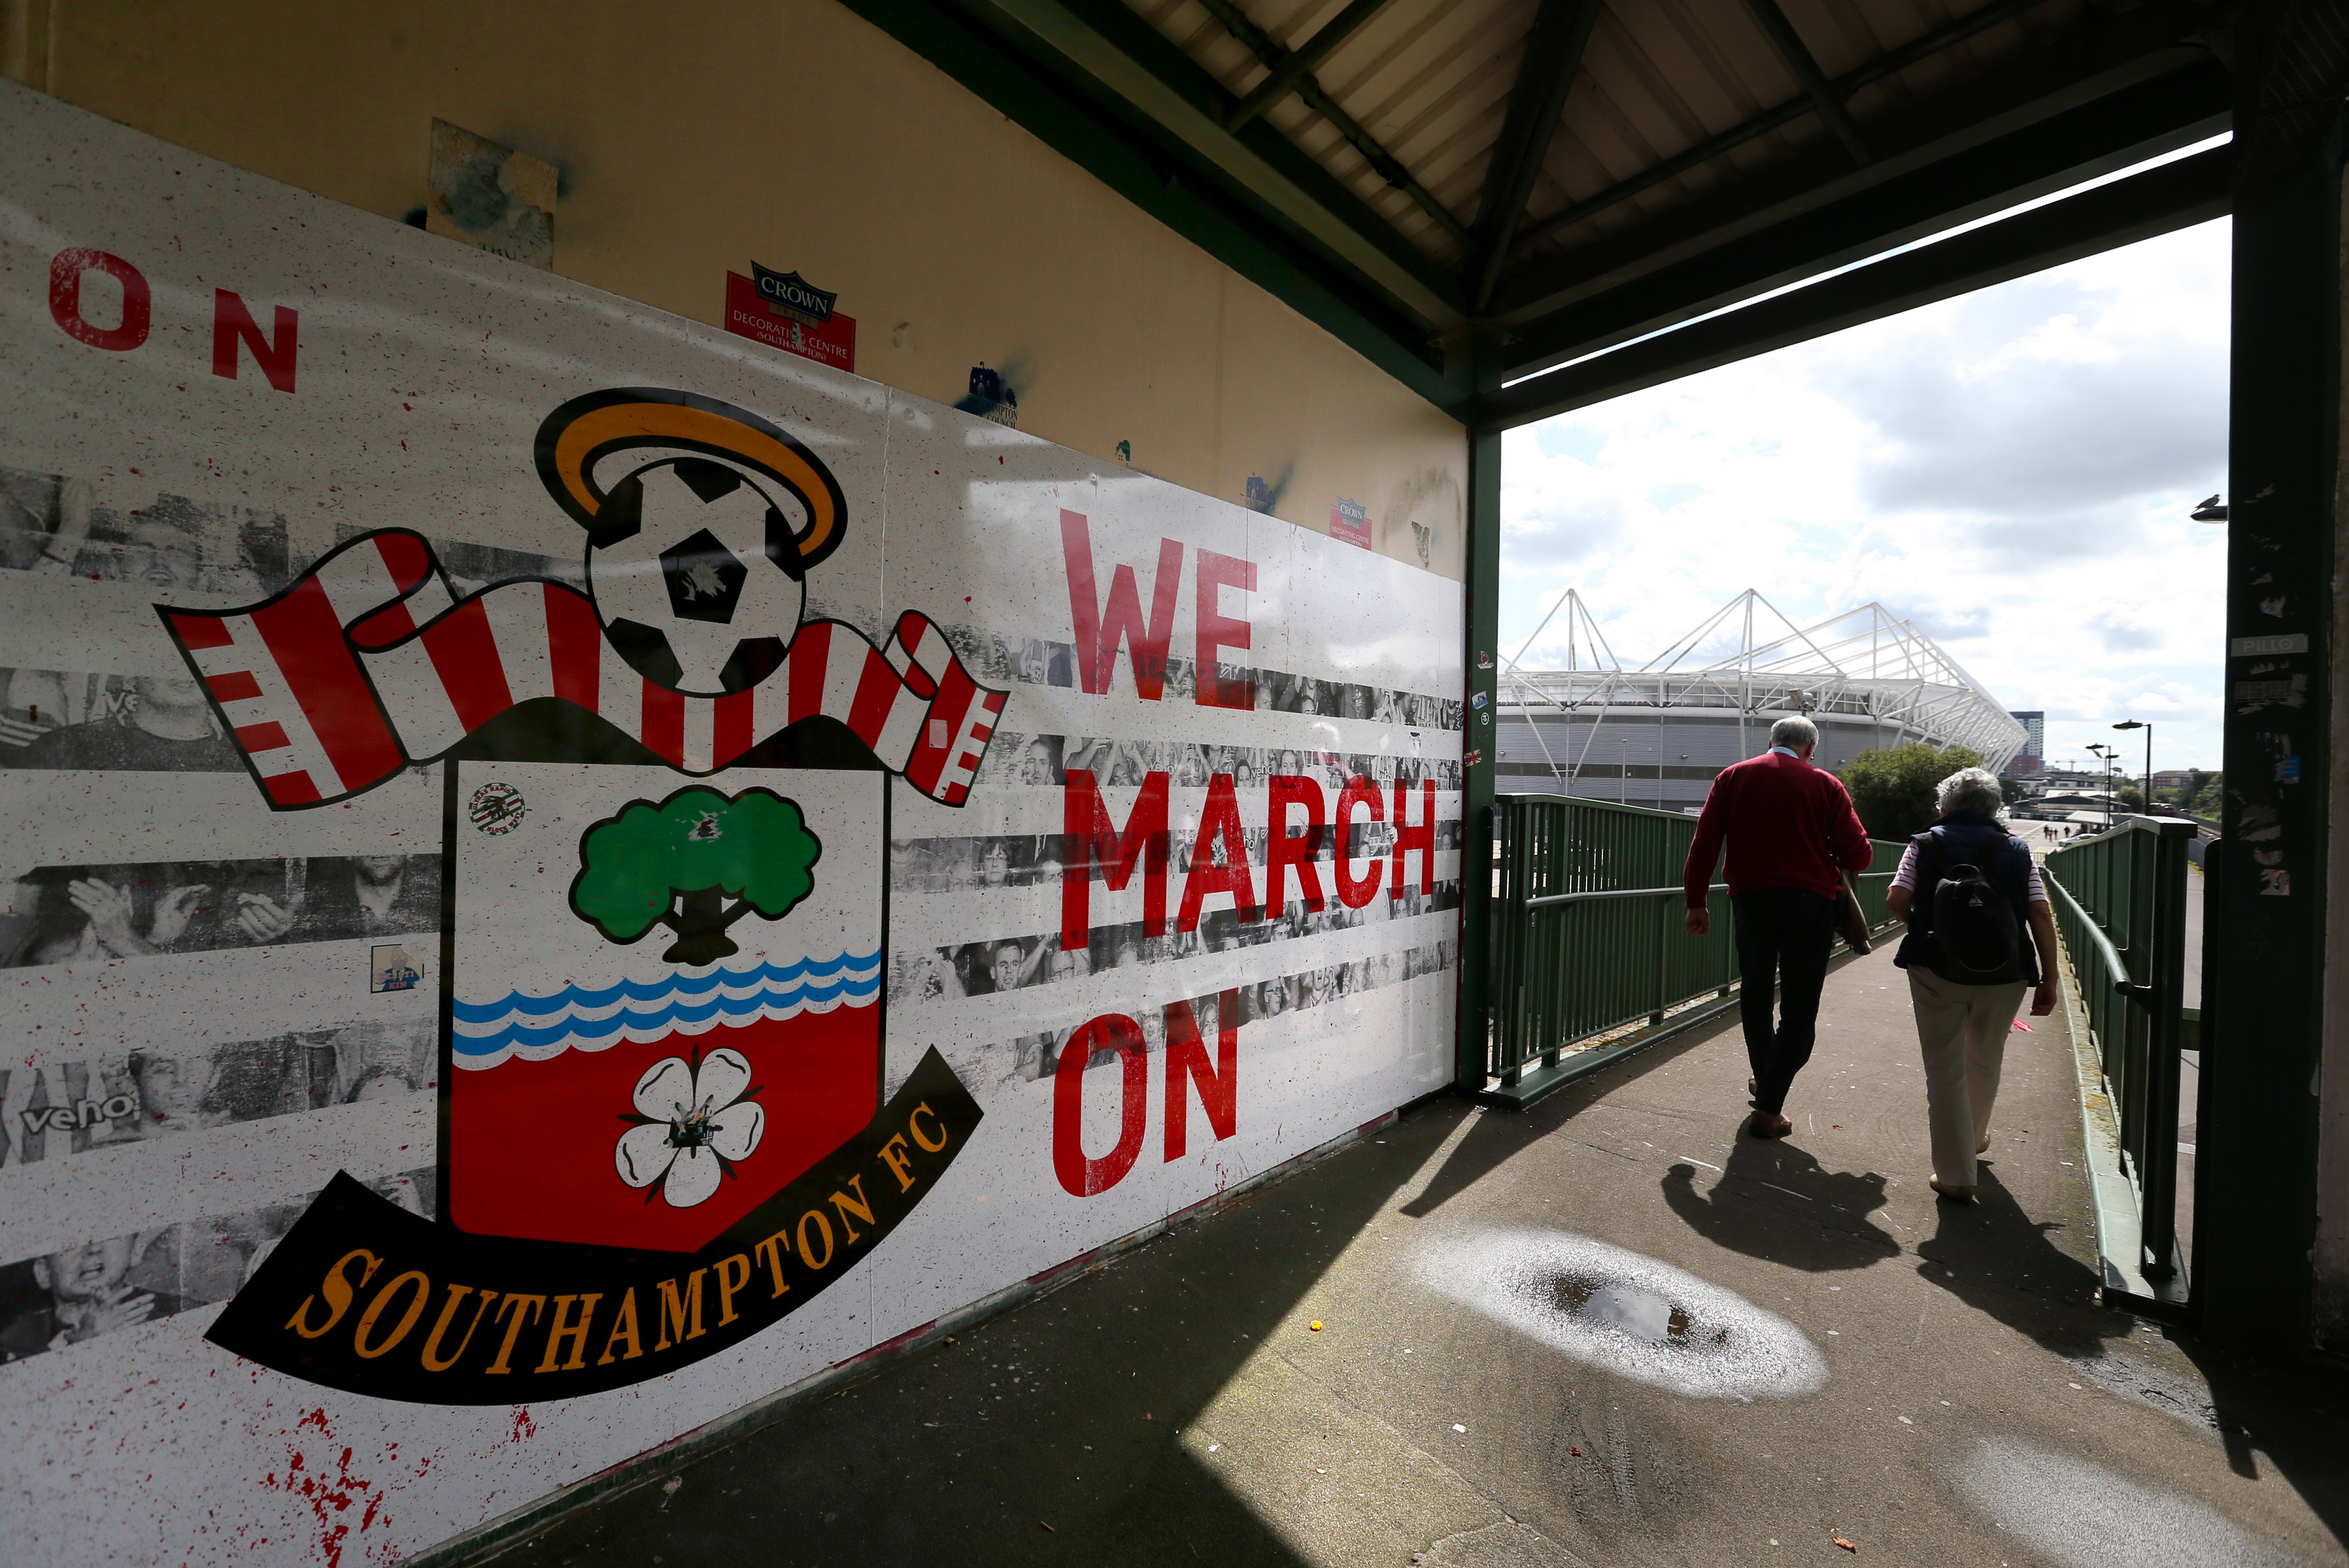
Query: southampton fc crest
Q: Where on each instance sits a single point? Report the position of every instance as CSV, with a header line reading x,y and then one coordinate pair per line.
x,y
662,1119
663,1002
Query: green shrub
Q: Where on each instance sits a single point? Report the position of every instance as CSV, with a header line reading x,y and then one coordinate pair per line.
x,y
1892,786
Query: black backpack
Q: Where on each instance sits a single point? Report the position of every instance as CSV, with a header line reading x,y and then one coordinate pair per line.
x,y
1975,926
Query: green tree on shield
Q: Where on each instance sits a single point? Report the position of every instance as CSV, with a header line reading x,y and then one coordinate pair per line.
x,y
677,863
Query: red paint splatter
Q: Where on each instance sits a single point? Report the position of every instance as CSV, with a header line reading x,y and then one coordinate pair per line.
x,y
524,1426
331,1497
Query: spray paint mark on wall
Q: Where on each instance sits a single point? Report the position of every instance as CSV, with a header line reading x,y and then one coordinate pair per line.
x,y
1628,1313
490,195
1264,494
1431,504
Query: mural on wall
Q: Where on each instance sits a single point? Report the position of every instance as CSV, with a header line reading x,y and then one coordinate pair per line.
x,y
703,523
559,856
690,640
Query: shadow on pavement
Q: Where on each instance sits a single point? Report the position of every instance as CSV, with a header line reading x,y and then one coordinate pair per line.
x,y
2000,1261
1497,1135
1048,1435
1776,1202
2291,1418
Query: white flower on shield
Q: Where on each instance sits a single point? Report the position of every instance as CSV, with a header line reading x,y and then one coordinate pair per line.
x,y
692,1123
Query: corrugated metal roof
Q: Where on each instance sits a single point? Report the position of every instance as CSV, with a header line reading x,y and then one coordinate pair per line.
x,y
1648,164
1431,80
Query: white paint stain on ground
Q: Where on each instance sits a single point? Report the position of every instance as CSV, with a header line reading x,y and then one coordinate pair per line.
x,y
2084,1516
1629,1314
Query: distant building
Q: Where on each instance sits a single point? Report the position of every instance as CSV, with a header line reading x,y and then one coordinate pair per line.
x,y
1656,735
2026,762
2173,778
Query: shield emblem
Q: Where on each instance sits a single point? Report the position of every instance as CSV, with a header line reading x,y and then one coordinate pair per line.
x,y
662,998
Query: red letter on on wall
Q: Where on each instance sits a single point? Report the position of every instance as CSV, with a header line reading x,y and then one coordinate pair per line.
x,y
1409,838
1088,836
1359,791
1218,859
66,270
1283,851
234,324
1097,634
1187,1063
1080,1177
1218,631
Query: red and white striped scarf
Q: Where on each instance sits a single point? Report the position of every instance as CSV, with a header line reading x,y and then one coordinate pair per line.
x,y
370,663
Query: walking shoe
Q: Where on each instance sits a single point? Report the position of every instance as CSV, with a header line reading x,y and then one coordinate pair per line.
x,y
1761,1124
1954,1194
1753,1087
1983,1147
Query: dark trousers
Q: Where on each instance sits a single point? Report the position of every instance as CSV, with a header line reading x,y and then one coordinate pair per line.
x,y
1783,937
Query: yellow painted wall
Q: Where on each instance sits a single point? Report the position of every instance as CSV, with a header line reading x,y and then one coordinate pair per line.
x,y
697,134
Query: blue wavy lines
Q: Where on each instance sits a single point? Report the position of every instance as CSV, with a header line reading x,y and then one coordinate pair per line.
x,y
520,1037
572,996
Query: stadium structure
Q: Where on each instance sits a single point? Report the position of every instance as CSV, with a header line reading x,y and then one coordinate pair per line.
x,y
1656,735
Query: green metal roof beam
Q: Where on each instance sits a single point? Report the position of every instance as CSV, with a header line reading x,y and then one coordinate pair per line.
x,y
1295,62
2158,38
1387,166
2174,196
1067,33
1822,93
1786,113
1165,59
1554,51
1195,205
2096,139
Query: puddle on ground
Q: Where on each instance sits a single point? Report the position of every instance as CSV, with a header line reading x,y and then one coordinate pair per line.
x,y
1628,1313
1643,1314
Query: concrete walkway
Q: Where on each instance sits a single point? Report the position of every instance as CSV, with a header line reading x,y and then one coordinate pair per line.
x,y
1931,1383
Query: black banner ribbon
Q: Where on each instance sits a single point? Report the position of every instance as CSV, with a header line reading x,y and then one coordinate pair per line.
x,y
365,1296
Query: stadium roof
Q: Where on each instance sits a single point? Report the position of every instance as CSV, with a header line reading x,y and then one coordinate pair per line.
x,y
1864,663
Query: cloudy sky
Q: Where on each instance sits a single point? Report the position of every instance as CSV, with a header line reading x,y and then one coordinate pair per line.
x,y
2011,470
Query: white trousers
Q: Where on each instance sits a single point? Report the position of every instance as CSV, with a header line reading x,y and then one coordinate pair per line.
x,y
1962,1030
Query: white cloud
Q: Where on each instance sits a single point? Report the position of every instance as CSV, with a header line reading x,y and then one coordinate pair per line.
x,y
2011,470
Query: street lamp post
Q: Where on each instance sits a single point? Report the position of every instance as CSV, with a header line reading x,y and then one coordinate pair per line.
x,y
2103,754
2147,728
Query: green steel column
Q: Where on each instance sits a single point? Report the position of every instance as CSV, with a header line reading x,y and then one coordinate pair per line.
x,y
2257,1143
1480,741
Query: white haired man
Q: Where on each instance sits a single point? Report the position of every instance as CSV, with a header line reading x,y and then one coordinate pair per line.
x,y
1792,834
1965,987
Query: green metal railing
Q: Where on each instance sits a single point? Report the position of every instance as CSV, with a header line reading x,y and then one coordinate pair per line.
x,y
2120,907
1586,936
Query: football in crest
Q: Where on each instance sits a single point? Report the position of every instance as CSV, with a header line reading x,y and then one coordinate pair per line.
x,y
697,574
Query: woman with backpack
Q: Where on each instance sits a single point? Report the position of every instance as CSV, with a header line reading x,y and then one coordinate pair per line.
x,y
1970,891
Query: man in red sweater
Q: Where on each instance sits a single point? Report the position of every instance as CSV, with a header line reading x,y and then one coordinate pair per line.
x,y
1791,833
